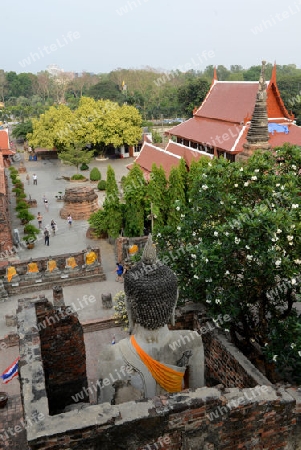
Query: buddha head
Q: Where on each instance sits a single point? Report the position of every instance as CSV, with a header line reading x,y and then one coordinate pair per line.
x,y
151,290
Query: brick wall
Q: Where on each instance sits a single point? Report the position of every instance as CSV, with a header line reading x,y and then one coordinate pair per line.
x,y
63,354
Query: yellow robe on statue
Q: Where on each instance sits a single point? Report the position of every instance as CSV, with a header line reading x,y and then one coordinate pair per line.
x,y
90,258
52,265
11,272
32,268
71,262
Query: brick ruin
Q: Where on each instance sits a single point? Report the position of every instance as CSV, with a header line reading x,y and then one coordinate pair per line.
x,y
243,411
6,242
80,202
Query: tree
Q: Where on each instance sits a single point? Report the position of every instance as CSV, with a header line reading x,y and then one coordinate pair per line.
x,y
22,129
239,251
112,206
135,202
192,94
175,197
157,195
75,155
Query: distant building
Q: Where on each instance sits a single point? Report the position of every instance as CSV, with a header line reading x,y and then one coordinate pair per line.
x,y
235,119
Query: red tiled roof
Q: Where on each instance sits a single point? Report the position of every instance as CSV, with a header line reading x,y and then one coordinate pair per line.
x,y
4,141
187,153
208,131
7,152
229,101
2,176
151,154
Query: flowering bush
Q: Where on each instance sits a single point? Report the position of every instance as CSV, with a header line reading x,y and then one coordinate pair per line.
x,y
121,314
240,247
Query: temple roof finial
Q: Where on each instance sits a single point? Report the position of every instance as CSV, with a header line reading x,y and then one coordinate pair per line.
x,y
215,74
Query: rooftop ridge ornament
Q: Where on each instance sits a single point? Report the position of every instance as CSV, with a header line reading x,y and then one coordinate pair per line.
x,y
149,255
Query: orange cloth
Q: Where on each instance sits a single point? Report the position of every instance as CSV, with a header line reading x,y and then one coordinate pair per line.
x,y
11,272
133,249
51,265
32,268
90,258
71,262
169,379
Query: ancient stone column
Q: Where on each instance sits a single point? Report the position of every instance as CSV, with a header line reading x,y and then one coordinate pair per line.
x,y
58,297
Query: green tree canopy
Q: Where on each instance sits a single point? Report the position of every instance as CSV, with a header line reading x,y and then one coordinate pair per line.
x,y
238,251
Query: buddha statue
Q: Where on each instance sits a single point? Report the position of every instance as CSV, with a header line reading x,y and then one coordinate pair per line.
x,y
71,263
11,274
32,269
90,259
153,360
52,269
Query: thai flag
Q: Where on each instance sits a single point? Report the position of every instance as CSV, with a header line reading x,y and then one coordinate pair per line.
x,y
10,372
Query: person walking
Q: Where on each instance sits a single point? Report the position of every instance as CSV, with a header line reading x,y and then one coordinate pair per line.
x,y
39,219
53,226
69,220
28,178
119,272
46,204
46,235
35,179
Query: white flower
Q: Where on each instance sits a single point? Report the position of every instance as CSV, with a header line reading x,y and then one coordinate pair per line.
x,y
226,233
293,227
266,344
282,188
278,184
254,178
221,202
226,329
193,256
158,234
297,261
247,247
256,170
179,228
299,352
278,263
279,231
234,201
294,281
194,233
178,208
241,169
208,301
206,260
246,183
290,238
295,205
215,233
182,216
204,175
195,276
227,272
209,165
249,257
204,187
235,185
275,357
293,345
294,167
208,280
237,240
217,301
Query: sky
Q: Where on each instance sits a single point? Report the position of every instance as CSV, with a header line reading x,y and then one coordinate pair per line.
x,y
99,36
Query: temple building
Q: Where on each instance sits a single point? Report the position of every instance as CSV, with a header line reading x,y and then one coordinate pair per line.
x,y
235,119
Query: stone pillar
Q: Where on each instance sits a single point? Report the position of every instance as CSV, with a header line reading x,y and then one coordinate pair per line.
x,y
107,302
58,297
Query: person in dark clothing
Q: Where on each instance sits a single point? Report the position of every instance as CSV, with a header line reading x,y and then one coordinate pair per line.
x,y
46,235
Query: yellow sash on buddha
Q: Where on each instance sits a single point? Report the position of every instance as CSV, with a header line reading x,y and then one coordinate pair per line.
x,y
168,378
33,267
51,265
90,258
11,272
71,262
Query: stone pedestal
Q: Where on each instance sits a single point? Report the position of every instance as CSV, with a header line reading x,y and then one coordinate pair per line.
x,y
58,296
107,302
80,202
11,320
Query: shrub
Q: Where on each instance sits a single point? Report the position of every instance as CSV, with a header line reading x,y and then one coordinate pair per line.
x,y
121,315
84,166
95,174
78,176
21,205
102,185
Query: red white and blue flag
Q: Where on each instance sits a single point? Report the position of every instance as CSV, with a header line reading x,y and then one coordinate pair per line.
x,y
11,371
